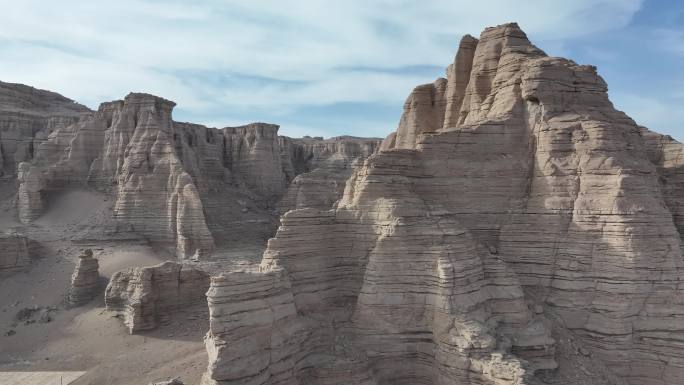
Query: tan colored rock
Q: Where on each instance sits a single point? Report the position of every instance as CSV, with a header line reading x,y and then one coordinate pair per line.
x,y
27,117
433,265
458,77
146,296
423,113
85,281
254,331
668,156
175,381
255,154
324,167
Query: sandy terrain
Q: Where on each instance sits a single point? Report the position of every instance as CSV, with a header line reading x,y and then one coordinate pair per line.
x,y
88,338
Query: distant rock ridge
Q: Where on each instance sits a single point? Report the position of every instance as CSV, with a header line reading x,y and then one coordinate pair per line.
x,y
180,184
516,229
27,117
322,168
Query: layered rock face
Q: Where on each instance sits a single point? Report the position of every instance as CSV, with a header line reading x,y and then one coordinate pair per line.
x,y
323,167
180,184
129,145
146,296
85,281
27,117
516,229
14,253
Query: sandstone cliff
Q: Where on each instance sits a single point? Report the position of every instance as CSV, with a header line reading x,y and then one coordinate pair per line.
x,y
516,229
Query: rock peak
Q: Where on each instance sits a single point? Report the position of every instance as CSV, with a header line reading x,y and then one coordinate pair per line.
x,y
144,98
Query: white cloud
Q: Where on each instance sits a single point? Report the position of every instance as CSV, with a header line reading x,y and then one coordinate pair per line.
x,y
99,50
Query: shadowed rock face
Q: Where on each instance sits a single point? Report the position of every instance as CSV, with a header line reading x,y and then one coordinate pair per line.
x,y
27,117
516,229
325,166
145,296
85,281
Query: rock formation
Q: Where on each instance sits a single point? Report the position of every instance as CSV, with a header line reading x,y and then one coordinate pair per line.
x,y
174,381
146,296
27,117
85,282
14,253
323,167
516,229
177,184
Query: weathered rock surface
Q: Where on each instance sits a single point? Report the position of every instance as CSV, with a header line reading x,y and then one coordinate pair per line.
x,y
85,281
177,184
27,117
174,381
146,296
516,229
323,167
14,253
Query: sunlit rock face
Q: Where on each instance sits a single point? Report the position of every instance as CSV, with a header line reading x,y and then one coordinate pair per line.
x,y
516,229
128,145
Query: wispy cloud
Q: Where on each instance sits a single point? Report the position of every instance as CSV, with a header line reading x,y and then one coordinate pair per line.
x,y
220,60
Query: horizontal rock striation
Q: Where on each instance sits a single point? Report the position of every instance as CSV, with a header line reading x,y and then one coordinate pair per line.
x,y
127,145
27,117
146,296
85,281
255,333
323,167
14,253
179,184
514,216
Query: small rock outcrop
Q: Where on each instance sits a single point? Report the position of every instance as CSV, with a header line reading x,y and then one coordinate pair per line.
x,y
517,229
148,296
85,281
14,253
175,381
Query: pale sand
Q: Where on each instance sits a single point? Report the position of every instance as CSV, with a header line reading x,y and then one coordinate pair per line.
x,y
39,378
88,339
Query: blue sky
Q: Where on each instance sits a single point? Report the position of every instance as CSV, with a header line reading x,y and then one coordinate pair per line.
x,y
326,67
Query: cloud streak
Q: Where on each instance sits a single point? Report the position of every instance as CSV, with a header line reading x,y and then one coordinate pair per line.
x,y
222,60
